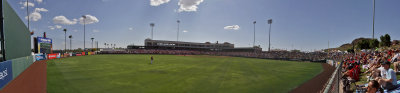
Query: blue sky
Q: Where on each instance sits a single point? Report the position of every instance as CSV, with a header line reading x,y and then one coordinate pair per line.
x,y
303,24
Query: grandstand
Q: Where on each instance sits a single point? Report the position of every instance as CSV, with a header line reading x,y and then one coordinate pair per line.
x,y
181,45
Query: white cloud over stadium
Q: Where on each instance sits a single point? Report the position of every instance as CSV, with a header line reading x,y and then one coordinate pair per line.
x,y
188,5
232,27
158,2
35,15
64,20
25,5
54,27
88,20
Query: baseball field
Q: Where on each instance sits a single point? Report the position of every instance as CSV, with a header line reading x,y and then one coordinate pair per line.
x,y
175,74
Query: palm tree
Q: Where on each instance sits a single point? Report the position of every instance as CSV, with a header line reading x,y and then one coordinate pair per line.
x,y
65,38
105,45
254,40
152,26
92,41
70,44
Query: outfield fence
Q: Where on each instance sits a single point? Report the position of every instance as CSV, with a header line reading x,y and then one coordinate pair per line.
x,y
334,83
15,46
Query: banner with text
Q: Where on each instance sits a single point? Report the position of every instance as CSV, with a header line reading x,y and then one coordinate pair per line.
x,y
52,56
40,57
5,73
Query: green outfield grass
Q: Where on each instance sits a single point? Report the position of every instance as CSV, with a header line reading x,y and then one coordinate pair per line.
x,y
175,74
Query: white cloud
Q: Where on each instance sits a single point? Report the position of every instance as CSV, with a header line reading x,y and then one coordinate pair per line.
x,y
63,20
95,31
35,15
58,26
188,5
158,2
51,27
39,1
89,19
232,27
40,10
185,31
24,4
54,27
131,29
75,30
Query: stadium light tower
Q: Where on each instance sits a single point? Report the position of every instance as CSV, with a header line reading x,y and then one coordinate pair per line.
x,y
70,42
92,41
152,26
254,40
177,33
269,37
373,22
84,31
27,13
65,39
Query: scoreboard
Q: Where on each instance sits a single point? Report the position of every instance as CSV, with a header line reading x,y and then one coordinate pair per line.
x,y
43,45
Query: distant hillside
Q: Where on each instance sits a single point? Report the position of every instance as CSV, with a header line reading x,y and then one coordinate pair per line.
x,y
346,46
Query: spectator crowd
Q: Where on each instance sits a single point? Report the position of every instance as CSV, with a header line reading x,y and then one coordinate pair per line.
x,y
285,55
380,69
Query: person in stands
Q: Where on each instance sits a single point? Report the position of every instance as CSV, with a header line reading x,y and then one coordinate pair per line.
x,y
388,78
374,87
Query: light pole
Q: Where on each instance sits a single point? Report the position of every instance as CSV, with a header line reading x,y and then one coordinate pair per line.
x,y
92,41
27,12
269,37
254,40
70,42
65,39
373,23
152,26
84,31
177,32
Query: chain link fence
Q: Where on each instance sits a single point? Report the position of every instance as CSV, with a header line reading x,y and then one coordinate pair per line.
x,y
334,84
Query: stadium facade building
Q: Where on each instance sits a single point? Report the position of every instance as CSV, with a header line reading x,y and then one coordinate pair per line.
x,y
180,45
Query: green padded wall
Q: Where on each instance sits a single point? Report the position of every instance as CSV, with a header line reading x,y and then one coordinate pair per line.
x,y
17,37
20,64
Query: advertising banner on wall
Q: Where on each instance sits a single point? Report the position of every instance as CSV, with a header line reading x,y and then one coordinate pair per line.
x,y
40,57
44,45
58,55
5,73
78,54
66,55
52,56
